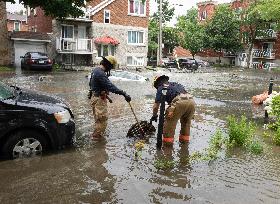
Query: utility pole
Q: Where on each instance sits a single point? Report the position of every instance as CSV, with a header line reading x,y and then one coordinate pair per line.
x,y
160,35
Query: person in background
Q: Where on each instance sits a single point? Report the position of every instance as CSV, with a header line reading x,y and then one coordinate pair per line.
x,y
181,106
100,86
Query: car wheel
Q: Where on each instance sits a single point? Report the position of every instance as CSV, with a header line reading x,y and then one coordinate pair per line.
x,y
25,143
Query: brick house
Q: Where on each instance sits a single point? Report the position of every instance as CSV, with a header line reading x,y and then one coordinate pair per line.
x,y
109,27
16,22
266,51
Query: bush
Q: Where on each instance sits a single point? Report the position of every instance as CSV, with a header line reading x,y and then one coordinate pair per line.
x,y
255,147
273,109
163,164
240,132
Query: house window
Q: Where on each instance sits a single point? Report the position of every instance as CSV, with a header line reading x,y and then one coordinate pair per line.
x,y
105,50
136,7
203,15
106,16
16,26
67,31
135,37
135,61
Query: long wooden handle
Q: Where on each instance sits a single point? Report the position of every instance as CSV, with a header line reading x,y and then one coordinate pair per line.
x,y
136,118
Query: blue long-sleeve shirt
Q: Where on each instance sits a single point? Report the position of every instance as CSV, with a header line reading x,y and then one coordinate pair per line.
x,y
99,82
173,90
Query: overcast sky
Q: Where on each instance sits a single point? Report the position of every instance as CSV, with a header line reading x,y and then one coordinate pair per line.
x,y
179,10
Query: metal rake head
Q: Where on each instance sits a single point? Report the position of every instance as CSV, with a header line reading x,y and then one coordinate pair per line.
x,y
136,131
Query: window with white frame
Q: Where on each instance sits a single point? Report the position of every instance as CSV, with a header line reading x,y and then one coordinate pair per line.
x,y
67,31
105,50
107,16
136,7
135,61
16,26
203,15
135,37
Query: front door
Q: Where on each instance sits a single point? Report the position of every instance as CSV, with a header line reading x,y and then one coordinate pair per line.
x,y
82,41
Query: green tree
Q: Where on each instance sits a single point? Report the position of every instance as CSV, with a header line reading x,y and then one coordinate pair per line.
x,y
269,10
169,35
56,8
223,31
191,31
252,26
167,12
153,37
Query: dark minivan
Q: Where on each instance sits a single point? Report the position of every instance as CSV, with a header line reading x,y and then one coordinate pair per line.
x,y
32,122
36,61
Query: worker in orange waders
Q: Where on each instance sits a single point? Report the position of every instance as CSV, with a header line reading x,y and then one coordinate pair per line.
x,y
181,106
100,86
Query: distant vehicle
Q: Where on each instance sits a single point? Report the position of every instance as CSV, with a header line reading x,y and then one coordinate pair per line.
x,y
31,123
170,64
202,63
152,61
190,64
36,61
120,75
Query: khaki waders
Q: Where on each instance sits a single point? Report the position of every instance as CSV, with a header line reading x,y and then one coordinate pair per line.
x,y
100,113
182,107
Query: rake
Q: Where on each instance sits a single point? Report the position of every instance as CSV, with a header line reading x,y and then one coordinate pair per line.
x,y
140,129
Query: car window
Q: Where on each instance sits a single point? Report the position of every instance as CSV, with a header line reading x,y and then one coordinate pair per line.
x,y
38,54
5,91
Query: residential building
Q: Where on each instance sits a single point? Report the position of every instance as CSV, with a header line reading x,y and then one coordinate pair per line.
x,y
37,21
266,49
16,22
109,27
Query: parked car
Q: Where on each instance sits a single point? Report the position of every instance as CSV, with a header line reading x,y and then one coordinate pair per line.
x,y
190,64
35,61
170,64
32,122
152,61
202,63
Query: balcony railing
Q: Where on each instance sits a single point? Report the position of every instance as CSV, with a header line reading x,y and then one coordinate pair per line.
x,y
74,45
266,34
268,54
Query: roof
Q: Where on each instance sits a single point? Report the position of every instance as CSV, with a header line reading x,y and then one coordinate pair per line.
x,y
30,36
106,40
180,52
16,17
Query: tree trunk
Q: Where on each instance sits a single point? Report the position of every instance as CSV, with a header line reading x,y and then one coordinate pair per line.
x,y
249,55
4,41
193,55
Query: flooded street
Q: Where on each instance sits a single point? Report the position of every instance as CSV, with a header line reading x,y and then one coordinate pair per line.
x,y
107,172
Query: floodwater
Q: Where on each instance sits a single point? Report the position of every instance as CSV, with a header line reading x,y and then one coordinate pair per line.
x,y
107,172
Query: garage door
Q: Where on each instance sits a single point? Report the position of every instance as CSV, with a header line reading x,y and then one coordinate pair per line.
x,y
23,47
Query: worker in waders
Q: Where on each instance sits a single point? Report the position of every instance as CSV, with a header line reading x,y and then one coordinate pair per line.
x,y
181,106
100,86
